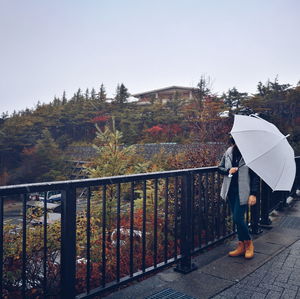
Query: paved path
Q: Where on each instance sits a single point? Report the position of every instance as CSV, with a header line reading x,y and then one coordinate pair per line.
x,y
274,272
277,278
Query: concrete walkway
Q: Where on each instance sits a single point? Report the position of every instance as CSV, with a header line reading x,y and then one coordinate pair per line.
x,y
274,272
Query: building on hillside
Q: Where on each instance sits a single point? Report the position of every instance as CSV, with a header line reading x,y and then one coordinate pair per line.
x,y
165,94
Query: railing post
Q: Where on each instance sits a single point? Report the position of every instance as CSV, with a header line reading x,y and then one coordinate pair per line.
x,y
185,264
282,201
68,243
297,178
265,198
254,227
1,244
296,184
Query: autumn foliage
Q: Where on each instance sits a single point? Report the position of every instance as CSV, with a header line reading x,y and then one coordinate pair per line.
x,y
163,133
100,119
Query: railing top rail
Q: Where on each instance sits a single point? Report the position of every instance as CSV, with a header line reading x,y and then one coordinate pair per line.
x,y
80,183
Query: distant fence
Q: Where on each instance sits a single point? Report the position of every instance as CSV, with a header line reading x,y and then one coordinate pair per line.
x,y
147,150
124,228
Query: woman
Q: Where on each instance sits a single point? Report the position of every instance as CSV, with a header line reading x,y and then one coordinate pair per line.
x,y
240,186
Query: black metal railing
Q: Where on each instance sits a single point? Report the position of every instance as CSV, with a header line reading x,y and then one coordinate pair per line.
x,y
269,200
112,230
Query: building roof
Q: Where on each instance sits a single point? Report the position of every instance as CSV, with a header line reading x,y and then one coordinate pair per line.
x,y
164,89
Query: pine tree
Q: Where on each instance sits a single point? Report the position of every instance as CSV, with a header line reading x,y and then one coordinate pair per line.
x,y
102,94
113,158
93,94
203,88
78,96
56,102
233,99
43,162
87,94
122,94
64,98
175,104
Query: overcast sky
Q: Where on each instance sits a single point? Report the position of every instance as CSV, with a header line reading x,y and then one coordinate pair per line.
x,y
51,46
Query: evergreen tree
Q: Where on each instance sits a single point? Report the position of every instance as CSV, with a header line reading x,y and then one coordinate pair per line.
x,y
78,96
203,88
175,104
93,94
87,94
43,162
102,94
121,94
4,116
56,102
279,104
233,99
113,158
64,98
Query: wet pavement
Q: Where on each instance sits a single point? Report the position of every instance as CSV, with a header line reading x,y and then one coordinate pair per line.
x,y
274,272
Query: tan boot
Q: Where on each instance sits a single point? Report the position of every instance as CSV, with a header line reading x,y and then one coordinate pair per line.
x,y
240,250
249,249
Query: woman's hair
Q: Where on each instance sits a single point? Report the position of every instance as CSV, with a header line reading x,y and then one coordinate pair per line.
x,y
231,140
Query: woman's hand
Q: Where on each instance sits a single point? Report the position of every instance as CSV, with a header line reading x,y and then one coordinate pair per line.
x,y
252,200
233,170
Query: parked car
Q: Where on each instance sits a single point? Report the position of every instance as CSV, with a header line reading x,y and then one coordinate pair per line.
x,y
55,198
51,196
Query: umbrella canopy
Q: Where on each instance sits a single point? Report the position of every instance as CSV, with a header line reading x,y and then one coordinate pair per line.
x,y
265,150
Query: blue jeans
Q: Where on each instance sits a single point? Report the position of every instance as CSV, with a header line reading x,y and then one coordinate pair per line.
x,y
238,214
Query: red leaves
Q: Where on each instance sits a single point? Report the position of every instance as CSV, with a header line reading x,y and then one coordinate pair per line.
x,y
100,119
155,130
28,151
111,247
13,265
164,132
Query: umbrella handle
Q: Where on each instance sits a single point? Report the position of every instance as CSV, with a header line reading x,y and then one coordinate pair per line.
x,y
231,174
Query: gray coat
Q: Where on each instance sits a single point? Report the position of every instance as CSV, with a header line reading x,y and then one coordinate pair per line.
x,y
247,185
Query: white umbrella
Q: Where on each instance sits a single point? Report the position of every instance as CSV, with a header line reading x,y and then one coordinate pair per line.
x,y
265,150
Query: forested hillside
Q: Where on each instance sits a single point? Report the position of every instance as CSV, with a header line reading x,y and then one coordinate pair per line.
x,y
33,141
